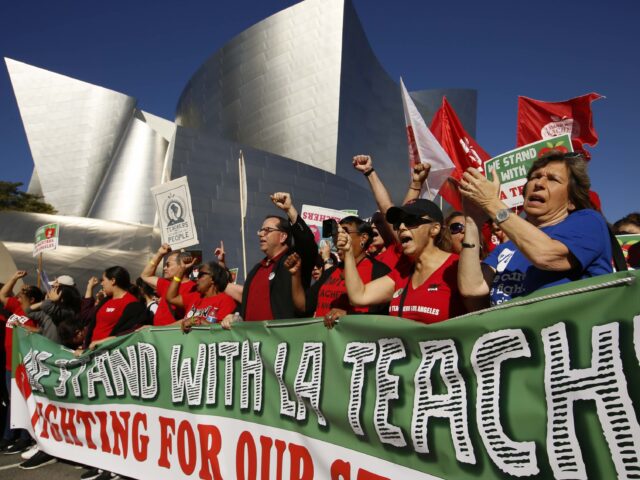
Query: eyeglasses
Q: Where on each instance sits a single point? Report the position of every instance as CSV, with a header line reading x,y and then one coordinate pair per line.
x,y
202,274
561,156
267,230
412,222
456,227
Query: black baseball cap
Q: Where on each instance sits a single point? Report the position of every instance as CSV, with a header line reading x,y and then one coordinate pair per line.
x,y
415,208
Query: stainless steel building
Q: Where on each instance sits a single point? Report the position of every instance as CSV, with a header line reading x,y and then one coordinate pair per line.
x,y
300,93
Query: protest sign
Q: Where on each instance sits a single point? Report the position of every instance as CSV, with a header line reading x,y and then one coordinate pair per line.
x,y
314,216
542,387
173,204
46,238
512,166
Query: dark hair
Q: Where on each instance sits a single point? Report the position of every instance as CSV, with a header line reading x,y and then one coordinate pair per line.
x,y
219,275
633,219
319,261
67,331
284,226
69,297
33,293
361,227
579,182
120,275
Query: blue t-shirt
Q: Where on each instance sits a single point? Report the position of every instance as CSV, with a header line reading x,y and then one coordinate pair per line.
x,y
586,236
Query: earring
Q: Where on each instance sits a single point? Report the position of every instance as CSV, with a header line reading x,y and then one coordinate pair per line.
x,y
361,244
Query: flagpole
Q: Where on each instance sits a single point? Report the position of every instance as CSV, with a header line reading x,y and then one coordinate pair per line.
x,y
243,212
39,270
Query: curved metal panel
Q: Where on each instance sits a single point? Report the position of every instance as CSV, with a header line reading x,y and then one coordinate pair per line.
x,y
276,86
73,129
136,167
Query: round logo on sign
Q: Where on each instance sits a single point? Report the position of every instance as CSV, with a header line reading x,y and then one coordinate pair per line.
x,y
272,275
398,292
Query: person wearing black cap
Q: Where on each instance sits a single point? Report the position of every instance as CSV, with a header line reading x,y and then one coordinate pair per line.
x,y
423,287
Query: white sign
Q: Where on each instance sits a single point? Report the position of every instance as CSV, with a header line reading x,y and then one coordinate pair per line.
x,y
46,238
173,204
314,216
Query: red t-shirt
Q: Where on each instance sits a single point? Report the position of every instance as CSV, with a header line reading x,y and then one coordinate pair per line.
x,y
219,305
437,299
392,256
333,293
259,296
109,314
163,315
13,305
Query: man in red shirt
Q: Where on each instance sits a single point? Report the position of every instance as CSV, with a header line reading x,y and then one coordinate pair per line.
x,y
167,313
17,305
267,292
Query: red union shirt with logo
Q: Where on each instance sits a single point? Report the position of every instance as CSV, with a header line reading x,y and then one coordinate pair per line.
x,y
165,313
18,317
437,299
109,314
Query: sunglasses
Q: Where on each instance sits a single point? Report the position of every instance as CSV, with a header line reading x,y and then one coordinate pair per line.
x,y
412,222
456,227
562,156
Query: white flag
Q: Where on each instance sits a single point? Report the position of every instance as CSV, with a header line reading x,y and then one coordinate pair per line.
x,y
424,148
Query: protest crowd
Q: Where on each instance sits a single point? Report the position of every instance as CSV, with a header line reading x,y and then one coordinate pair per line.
x,y
407,261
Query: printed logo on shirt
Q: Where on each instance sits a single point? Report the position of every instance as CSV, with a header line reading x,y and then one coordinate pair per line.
x,y
504,258
433,287
111,309
398,292
14,320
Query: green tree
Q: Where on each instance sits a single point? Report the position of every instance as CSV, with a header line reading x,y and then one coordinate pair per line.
x,y
13,199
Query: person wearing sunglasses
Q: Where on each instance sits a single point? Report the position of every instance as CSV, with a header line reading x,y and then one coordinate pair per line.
x,y
561,239
328,296
208,304
453,232
423,286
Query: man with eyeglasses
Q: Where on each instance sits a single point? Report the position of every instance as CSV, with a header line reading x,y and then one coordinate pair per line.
x,y
562,238
267,291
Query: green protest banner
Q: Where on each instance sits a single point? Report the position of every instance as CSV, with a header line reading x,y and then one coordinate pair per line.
x,y
46,238
541,387
512,167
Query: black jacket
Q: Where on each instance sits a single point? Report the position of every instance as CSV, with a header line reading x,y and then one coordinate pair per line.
x,y
280,286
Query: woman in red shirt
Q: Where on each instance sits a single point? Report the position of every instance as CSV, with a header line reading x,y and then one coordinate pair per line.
x,y
422,287
208,304
119,313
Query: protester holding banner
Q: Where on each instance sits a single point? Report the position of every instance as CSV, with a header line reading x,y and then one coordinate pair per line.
x,y
166,314
328,296
424,286
121,312
208,304
562,238
15,441
267,292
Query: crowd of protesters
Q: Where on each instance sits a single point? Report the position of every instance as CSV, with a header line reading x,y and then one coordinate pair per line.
x,y
408,261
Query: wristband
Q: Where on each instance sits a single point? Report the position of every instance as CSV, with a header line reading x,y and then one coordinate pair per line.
x,y
369,172
416,189
177,279
152,262
468,245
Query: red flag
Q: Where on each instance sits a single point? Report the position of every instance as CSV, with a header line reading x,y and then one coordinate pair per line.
x,y
459,145
539,120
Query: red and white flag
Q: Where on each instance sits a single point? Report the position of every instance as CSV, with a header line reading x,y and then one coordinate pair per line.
x,y
538,120
424,148
461,147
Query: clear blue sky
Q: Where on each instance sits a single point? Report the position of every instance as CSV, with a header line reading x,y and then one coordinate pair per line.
x,y
545,50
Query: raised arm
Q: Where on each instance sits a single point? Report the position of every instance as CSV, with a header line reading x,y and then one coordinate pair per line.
x,y
474,277
364,164
91,284
419,175
148,274
7,290
293,263
541,250
173,296
373,293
